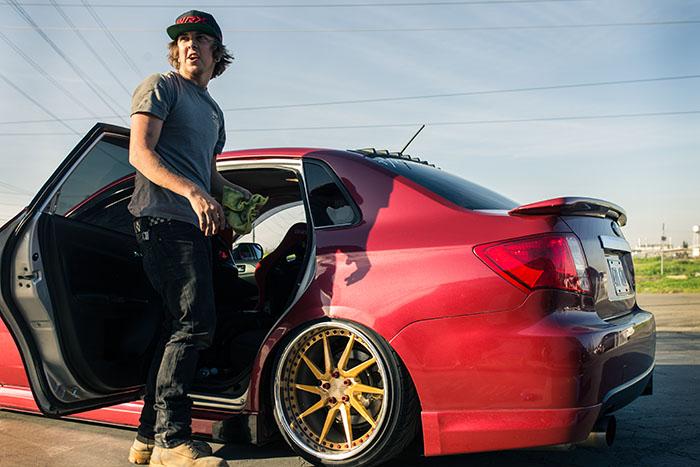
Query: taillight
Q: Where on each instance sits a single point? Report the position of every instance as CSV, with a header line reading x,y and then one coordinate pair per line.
x,y
553,261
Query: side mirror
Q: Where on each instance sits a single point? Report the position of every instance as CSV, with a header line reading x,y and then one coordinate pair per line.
x,y
247,252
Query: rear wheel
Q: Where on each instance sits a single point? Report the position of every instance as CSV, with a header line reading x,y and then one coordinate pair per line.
x,y
342,397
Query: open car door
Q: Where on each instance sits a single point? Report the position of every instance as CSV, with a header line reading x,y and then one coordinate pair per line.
x,y
73,291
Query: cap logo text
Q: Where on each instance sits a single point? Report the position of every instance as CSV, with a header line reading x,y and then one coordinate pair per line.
x,y
191,19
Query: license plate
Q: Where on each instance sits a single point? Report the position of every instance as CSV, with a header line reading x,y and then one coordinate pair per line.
x,y
618,277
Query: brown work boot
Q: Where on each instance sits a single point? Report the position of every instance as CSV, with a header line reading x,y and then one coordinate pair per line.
x,y
190,453
140,452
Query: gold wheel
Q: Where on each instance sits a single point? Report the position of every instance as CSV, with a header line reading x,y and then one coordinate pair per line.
x,y
331,391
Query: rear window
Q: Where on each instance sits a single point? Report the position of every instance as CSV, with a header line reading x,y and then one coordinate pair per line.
x,y
451,187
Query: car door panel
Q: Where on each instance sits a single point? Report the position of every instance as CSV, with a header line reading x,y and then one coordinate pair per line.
x,y
106,316
74,296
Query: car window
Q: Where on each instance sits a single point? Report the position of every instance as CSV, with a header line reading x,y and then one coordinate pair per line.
x,y
283,209
451,187
330,205
98,190
109,208
270,228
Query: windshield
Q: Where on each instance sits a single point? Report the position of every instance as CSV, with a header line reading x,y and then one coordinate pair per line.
x,y
451,187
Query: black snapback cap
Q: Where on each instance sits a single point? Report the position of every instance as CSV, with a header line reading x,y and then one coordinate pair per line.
x,y
195,20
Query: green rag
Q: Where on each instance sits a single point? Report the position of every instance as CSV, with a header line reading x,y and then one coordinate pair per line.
x,y
241,212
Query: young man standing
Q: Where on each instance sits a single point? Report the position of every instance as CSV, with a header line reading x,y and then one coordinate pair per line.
x,y
176,132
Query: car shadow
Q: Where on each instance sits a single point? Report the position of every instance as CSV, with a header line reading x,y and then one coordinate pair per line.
x,y
351,248
242,452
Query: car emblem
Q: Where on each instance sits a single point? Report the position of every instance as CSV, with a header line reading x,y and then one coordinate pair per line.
x,y
616,228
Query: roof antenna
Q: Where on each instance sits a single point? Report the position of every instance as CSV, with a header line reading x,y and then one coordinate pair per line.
x,y
411,140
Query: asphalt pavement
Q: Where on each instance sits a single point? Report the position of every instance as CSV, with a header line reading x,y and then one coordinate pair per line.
x,y
661,430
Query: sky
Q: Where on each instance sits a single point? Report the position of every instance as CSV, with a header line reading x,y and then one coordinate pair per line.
x,y
532,99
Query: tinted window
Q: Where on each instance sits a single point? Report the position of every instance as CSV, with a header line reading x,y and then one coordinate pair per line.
x,y
329,205
99,188
105,163
451,187
109,209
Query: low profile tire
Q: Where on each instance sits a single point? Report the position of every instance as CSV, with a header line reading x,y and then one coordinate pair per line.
x,y
342,397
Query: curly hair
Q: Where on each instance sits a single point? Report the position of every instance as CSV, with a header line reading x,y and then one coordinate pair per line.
x,y
222,57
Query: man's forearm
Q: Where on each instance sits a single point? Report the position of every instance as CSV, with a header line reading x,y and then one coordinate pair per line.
x,y
148,163
217,186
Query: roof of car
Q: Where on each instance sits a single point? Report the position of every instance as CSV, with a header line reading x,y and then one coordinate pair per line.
x,y
269,152
301,152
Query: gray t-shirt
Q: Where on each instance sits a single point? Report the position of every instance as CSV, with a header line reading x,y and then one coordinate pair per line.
x,y
193,132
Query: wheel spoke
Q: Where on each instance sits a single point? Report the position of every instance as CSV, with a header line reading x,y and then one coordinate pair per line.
x,y
330,418
347,425
311,389
317,373
332,390
363,388
317,406
357,405
327,357
353,372
346,353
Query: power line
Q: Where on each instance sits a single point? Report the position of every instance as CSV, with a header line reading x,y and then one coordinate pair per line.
x,y
467,93
308,5
47,75
405,29
418,97
414,124
472,28
93,86
15,193
15,189
38,104
40,133
112,39
12,205
88,45
470,122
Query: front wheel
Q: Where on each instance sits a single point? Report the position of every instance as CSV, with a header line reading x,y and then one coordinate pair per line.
x,y
342,397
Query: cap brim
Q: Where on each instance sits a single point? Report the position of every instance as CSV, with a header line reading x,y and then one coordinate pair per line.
x,y
176,29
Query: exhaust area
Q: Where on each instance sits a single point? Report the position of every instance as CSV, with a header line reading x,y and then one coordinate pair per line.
x,y
602,435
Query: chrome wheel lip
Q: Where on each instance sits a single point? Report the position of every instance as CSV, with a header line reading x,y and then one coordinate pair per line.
x,y
279,411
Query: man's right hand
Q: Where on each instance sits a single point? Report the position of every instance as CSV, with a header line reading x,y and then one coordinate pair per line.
x,y
209,212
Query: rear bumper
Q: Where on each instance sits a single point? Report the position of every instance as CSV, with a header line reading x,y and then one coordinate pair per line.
x,y
622,395
453,432
525,377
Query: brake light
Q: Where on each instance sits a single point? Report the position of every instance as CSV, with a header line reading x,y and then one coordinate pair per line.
x,y
553,261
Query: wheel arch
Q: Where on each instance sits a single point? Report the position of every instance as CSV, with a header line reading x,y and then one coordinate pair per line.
x,y
262,403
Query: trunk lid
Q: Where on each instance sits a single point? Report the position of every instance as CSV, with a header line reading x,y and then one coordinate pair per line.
x,y
609,257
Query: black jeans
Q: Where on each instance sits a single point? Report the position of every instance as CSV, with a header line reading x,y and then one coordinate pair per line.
x,y
177,261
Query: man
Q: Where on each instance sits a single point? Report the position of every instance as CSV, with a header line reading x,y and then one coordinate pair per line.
x,y
176,132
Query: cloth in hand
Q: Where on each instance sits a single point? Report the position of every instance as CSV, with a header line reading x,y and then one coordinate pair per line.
x,y
241,212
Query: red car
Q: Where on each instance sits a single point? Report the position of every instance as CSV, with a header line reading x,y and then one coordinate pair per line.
x,y
391,302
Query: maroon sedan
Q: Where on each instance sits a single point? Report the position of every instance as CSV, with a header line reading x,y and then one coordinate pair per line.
x,y
379,300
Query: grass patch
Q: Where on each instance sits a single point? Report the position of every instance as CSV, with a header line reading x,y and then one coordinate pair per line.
x,y
649,280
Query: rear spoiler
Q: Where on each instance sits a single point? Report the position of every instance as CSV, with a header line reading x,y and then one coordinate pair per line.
x,y
573,206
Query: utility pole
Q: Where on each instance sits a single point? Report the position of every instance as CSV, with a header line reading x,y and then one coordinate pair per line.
x,y
663,240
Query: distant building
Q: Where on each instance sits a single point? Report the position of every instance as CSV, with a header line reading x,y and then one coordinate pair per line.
x,y
645,249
